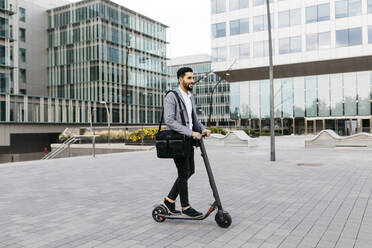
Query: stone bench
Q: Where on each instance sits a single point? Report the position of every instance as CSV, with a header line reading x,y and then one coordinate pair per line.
x,y
234,138
329,139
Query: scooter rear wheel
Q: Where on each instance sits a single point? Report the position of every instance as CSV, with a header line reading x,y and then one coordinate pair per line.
x,y
159,210
223,219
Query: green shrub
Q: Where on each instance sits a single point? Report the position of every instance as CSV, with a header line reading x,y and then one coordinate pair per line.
x,y
218,130
146,134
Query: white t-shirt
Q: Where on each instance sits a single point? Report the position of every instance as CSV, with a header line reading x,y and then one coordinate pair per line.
x,y
187,100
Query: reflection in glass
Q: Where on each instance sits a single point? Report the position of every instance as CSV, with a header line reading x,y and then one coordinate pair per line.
x,y
265,98
364,91
369,34
244,100
254,97
283,19
311,14
323,12
336,95
311,96
350,93
325,40
299,97
284,46
234,27
244,51
234,100
311,42
324,100
355,36
277,98
287,97
341,8
342,38
234,52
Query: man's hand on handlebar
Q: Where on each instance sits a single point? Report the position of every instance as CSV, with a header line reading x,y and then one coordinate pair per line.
x,y
196,135
207,132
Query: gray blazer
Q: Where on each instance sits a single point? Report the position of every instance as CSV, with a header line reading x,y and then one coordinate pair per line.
x,y
172,114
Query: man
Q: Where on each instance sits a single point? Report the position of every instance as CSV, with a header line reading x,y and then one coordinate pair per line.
x,y
172,118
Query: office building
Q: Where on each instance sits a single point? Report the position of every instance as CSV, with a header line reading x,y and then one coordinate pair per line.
x,y
322,58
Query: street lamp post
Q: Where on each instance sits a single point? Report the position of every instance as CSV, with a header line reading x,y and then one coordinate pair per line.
x,y
272,128
108,121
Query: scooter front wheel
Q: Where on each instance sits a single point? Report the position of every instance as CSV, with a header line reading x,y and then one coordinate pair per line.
x,y
223,219
159,210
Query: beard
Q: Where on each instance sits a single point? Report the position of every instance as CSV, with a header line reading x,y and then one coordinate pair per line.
x,y
187,86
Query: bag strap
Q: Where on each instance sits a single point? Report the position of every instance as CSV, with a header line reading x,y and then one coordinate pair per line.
x,y
179,103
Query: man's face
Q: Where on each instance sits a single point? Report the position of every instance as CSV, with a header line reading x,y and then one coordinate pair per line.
x,y
187,81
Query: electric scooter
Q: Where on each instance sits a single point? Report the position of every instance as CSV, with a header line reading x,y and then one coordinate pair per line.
x,y
223,218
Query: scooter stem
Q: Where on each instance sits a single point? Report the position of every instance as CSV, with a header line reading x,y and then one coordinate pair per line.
x,y
210,175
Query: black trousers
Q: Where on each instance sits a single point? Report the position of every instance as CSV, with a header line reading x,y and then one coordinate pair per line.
x,y
185,168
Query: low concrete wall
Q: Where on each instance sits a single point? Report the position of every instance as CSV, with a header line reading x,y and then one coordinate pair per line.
x,y
87,150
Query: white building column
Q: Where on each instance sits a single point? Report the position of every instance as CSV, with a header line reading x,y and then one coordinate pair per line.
x,y
41,109
25,108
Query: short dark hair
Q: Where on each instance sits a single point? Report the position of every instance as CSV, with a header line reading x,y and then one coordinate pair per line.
x,y
182,71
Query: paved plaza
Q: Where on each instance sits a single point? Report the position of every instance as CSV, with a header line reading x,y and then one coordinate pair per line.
x,y
308,198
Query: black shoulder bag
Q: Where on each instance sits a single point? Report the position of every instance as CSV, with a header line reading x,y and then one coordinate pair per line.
x,y
169,143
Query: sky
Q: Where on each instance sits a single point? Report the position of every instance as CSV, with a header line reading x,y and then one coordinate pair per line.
x,y
188,21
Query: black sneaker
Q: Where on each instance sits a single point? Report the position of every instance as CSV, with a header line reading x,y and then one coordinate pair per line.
x,y
192,213
171,207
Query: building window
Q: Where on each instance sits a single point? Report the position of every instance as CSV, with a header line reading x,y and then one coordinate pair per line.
x,y
347,8
318,41
238,4
260,2
22,14
2,55
4,32
289,18
369,6
219,54
240,51
290,45
369,34
349,37
239,26
22,76
317,13
219,30
260,22
218,6
261,48
22,34
22,55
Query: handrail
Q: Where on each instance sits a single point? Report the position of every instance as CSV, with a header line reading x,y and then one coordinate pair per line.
x,y
60,148
67,143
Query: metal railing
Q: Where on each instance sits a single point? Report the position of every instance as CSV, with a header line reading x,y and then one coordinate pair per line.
x,y
67,144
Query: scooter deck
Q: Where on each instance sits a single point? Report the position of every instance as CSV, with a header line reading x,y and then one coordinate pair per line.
x,y
181,217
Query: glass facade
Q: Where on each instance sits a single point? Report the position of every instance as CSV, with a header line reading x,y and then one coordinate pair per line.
x,y
343,94
89,45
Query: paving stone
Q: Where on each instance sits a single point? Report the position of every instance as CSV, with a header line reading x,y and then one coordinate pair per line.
x,y
107,201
